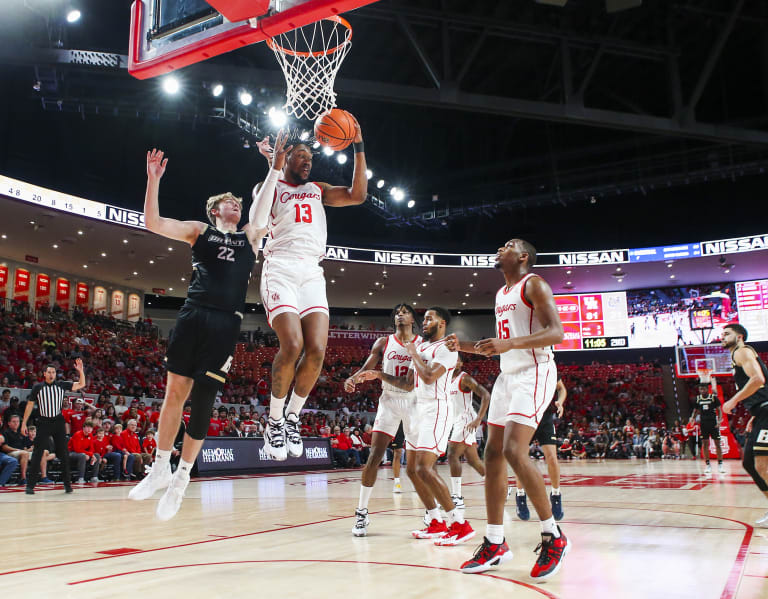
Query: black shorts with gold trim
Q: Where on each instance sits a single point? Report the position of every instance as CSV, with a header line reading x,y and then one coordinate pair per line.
x,y
202,344
758,438
545,433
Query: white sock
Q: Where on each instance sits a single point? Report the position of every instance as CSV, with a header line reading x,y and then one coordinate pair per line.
x,y
455,516
295,403
365,495
397,481
185,468
434,515
555,491
549,526
163,456
276,405
519,491
456,485
494,533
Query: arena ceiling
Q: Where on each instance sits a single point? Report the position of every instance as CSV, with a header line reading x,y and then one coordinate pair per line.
x,y
571,126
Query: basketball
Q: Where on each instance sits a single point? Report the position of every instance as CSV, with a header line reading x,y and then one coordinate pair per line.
x,y
335,129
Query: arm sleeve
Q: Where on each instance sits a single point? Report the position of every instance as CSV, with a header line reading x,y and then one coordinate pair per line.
x,y
263,196
446,357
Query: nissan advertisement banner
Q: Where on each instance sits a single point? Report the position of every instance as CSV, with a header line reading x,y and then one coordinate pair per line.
x,y
232,455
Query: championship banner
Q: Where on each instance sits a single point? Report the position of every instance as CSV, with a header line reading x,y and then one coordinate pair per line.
x,y
62,293
21,285
99,300
134,307
3,281
42,291
362,338
117,306
82,293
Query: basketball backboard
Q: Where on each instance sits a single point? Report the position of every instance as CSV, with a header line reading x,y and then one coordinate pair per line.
x,y
170,34
691,358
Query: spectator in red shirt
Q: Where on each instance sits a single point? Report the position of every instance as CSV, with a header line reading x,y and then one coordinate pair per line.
x,y
83,454
343,452
133,446
103,446
118,445
215,425
150,445
75,417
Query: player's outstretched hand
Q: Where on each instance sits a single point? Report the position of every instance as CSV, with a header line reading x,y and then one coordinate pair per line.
x,y
265,149
155,164
489,347
367,375
350,384
79,365
472,426
452,342
358,131
729,406
280,152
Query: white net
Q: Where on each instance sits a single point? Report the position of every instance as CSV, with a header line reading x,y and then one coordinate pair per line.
x,y
704,368
310,57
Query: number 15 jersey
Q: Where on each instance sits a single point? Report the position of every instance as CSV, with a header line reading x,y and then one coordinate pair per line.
x,y
297,226
515,317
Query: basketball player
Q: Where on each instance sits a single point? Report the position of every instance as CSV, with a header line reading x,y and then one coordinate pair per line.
x,y
430,374
292,282
750,376
202,343
395,404
547,438
527,325
708,410
463,441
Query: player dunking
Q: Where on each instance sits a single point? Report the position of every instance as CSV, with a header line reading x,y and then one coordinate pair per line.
x,y
202,343
292,282
395,404
463,440
430,375
708,410
750,375
527,325
547,438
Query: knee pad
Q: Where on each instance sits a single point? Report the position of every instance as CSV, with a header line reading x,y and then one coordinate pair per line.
x,y
202,398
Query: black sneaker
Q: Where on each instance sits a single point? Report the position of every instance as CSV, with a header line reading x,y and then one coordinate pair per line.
x,y
557,506
68,488
30,490
521,507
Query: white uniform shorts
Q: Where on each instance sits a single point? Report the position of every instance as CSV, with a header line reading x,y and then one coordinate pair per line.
x,y
431,422
460,434
292,285
523,396
395,408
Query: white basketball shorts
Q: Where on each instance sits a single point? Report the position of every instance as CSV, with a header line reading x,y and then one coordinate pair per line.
x,y
395,408
292,285
460,434
431,423
523,396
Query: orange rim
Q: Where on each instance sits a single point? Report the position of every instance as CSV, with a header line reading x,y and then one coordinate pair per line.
x,y
336,19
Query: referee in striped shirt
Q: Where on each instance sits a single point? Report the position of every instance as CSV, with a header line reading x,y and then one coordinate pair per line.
x,y
49,395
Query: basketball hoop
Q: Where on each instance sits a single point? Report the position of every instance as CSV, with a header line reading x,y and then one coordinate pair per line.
x,y
310,57
705,375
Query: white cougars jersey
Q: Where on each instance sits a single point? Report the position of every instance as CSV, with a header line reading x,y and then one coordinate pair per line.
x,y
396,361
297,225
515,317
461,401
435,353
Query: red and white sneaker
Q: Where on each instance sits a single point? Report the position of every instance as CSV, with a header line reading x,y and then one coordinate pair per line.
x,y
457,533
487,556
552,552
435,530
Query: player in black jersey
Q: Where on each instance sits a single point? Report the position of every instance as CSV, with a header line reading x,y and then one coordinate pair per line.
x,y
708,410
750,375
547,437
202,344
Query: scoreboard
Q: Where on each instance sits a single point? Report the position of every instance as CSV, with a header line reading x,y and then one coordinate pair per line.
x,y
593,321
752,304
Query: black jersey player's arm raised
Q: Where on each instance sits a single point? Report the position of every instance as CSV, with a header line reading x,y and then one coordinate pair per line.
x,y
180,230
340,196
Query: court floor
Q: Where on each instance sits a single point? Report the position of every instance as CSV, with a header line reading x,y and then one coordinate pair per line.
x,y
639,529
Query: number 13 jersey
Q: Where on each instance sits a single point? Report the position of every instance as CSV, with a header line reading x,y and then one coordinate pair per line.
x,y
297,225
515,317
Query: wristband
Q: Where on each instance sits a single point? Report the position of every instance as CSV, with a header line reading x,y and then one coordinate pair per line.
x,y
359,147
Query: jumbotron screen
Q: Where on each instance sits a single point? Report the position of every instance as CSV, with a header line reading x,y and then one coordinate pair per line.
x,y
752,300
593,321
